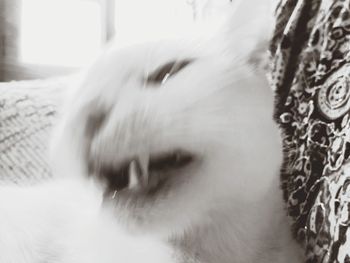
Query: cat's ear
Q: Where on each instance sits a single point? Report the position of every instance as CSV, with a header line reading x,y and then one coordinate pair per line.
x,y
249,28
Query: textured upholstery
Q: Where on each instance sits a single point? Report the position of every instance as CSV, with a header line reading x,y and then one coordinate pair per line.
x,y
28,111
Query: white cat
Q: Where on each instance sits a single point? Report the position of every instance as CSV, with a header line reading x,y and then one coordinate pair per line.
x,y
178,136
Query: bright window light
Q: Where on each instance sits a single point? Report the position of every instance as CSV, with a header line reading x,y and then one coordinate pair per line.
x,y
60,32
138,20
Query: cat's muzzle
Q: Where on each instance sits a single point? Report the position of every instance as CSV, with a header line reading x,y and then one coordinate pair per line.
x,y
143,174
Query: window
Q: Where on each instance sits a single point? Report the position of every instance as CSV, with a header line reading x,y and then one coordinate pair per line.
x,y
137,20
50,37
59,32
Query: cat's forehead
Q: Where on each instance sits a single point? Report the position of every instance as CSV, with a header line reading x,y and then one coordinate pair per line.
x,y
154,54
142,68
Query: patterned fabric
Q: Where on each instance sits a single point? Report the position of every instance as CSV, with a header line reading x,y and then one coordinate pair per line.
x,y
311,75
27,113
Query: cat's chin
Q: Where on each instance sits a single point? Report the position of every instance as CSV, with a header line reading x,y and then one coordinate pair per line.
x,y
159,216
159,225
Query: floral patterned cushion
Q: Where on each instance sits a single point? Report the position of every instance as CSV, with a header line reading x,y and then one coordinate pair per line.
x,y
311,75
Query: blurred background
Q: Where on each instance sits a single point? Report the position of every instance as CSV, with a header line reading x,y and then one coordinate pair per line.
x,y
44,38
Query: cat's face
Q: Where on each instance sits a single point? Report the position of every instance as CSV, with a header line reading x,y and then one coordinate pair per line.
x,y
173,133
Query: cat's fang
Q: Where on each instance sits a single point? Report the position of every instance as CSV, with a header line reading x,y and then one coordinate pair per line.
x,y
138,173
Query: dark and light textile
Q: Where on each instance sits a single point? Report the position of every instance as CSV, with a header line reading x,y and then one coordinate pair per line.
x,y
27,114
311,76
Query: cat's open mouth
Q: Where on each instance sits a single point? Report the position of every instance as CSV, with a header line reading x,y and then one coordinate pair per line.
x,y
145,175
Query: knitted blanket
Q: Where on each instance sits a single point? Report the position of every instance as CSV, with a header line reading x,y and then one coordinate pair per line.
x,y
27,113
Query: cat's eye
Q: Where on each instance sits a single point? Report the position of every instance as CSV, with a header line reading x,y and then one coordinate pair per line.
x,y
170,161
162,74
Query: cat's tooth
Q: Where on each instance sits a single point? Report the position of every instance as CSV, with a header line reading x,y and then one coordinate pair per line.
x,y
138,173
135,176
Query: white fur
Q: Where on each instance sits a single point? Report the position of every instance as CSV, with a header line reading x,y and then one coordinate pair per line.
x,y
62,222
227,206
